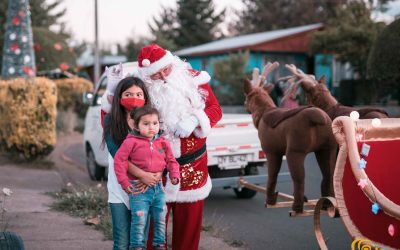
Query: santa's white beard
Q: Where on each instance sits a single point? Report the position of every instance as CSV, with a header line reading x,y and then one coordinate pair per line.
x,y
176,99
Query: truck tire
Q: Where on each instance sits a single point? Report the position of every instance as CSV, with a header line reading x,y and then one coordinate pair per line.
x,y
11,241
245,193
96,172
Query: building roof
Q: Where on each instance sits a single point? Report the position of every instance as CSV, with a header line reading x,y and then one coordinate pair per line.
x,y
244,41
87,59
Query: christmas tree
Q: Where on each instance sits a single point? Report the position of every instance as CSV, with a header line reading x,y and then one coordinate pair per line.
x,y
18,55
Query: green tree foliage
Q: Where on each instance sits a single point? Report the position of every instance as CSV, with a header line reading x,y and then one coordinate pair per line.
x,y
52,52
194,22
164,28
230,73
349,36
133,47
384,61
45,14
198,22
266,15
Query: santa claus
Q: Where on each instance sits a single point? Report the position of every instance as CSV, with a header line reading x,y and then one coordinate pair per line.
x,y
188,110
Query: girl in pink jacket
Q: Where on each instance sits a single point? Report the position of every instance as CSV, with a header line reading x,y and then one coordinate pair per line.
x,y
146,149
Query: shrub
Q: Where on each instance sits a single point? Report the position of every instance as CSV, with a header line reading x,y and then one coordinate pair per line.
x,y
70,92
28,115
356,92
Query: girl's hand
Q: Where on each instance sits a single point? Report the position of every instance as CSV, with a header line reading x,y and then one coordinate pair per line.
x,y
128,190
139,188
150,179
174,181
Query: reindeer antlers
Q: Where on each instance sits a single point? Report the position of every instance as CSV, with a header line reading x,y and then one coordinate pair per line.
x,y
299,74
258,80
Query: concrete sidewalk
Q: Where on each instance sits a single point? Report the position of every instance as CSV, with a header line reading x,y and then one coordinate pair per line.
x,y
40,228
29,214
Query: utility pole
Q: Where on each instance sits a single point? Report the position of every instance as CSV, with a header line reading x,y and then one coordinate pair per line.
x,y
96,47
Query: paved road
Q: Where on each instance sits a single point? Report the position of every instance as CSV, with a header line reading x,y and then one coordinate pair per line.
x,y
258,228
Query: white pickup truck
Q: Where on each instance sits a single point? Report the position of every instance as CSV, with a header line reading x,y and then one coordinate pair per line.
x,y
233,146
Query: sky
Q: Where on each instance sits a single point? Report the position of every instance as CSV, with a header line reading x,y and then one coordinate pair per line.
x,y
120,20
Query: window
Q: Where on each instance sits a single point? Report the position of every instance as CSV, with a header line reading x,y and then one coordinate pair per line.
x,y
204,64
100,91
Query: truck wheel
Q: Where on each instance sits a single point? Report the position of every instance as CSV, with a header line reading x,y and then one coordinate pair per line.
x,y
11,241
96,172
246,193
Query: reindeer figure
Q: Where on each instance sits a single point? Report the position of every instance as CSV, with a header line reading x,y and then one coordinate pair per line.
x,y
293,133
318,95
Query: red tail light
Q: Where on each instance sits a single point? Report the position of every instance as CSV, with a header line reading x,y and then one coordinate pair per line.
x,y
261,154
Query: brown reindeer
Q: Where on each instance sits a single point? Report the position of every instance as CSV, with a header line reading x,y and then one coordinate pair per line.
x,y
318,95
293,133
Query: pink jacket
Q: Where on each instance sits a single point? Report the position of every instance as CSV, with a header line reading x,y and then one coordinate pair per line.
x,y
151,155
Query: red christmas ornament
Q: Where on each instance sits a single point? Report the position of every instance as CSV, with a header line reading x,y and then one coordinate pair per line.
x,y
27,70
21,13
37,47
57,46
15,20
64,66
14,47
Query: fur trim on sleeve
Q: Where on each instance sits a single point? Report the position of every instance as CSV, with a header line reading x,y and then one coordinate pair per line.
x,y
201,78
204,122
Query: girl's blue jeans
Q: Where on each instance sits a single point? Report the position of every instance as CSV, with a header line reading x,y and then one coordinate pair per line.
x,y
150,204
121,223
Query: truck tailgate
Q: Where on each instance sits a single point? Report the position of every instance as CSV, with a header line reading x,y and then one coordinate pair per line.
x,y
233,130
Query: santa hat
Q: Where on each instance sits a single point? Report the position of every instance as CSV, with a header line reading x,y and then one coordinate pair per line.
x,y
152,58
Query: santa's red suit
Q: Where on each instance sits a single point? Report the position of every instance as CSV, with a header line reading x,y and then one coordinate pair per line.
x,y
186,200
195,185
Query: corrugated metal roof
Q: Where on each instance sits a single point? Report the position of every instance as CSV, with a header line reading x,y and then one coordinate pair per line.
x,y
245,40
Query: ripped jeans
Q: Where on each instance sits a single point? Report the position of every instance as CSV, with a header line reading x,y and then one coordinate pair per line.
x,y
150,203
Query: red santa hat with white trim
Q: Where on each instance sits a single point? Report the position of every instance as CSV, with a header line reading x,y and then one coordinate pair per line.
x,y
152,58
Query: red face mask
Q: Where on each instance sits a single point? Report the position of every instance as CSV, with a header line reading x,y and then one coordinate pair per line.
x,y
131,102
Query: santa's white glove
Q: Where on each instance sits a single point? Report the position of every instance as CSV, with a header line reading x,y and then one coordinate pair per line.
x,y
114,76
186,127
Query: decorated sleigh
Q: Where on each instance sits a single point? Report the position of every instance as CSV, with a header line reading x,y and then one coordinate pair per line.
x,y
366,183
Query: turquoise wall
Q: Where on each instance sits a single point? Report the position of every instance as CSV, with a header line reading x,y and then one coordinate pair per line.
x,y
323,66
256,59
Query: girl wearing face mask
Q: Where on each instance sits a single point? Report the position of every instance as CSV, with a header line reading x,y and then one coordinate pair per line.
x,y
130,92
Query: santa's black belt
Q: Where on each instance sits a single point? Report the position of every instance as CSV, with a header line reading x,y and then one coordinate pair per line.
x,y
185,159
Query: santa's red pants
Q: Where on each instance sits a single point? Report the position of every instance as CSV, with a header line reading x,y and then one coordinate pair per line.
x,y
186,225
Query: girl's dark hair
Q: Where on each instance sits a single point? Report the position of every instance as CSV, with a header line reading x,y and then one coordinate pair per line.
x,y
118,125
137,113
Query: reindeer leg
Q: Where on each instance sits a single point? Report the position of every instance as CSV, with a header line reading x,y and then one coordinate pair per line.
x,y
326,159
274,166
296,167
323,159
